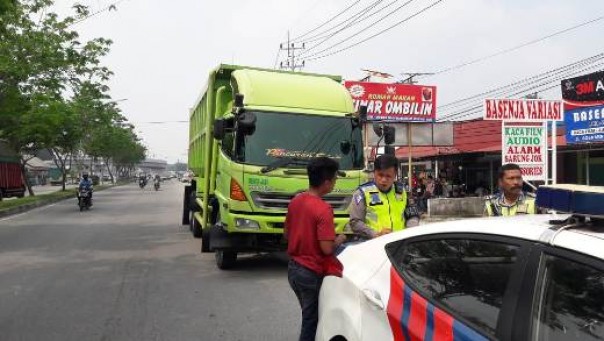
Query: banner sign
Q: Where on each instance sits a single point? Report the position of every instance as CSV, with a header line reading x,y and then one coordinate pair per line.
x,y
394,102
522,110
584,108
527,147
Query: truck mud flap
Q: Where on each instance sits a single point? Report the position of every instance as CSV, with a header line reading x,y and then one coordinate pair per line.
x,y
220,239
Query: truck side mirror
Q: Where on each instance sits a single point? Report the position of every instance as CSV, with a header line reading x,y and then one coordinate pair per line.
x,y
246,123
239,100
389,150
219,128
345,147
378,129
389,135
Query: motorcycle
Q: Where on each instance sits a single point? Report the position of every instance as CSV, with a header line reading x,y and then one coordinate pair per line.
x,y
84,200
156,185
142,183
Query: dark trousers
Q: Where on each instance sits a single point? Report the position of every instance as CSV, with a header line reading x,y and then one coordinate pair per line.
x,y
306,284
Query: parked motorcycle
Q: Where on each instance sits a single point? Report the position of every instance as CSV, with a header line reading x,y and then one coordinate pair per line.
x,y
84,199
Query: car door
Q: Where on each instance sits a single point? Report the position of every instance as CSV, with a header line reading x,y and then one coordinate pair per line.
x,y
564,291
455,286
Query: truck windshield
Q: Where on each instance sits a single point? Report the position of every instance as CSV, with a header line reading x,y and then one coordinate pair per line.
x,y
301,137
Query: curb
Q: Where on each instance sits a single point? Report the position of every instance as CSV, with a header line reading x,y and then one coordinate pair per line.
x,y
28,207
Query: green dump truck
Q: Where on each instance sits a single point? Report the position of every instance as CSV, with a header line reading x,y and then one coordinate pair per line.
x,y
252,133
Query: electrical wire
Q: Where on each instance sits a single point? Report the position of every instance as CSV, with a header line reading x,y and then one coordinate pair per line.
x,y
113,5
315,57
363,29
517,47
325,23
476,110
554,71
348,22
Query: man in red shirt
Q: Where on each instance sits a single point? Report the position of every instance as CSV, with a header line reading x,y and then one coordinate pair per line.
x,y
310,231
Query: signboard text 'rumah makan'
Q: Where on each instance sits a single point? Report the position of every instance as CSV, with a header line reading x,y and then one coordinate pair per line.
x,y
394,102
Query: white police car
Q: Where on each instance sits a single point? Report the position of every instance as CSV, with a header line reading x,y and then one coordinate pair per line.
x,y
530,277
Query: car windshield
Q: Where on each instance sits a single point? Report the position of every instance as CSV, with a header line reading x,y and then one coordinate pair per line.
x,y
301,137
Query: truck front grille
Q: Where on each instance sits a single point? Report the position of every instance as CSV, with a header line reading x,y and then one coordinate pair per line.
x,y
269,200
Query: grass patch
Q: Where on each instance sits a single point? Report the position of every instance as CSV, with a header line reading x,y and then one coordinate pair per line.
x,y
46,197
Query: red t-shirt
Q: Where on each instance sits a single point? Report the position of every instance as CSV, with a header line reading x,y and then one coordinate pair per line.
x,y
309,220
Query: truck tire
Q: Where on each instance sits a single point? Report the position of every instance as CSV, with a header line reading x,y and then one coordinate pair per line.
x,y
185,206
205,242
225,259
195,227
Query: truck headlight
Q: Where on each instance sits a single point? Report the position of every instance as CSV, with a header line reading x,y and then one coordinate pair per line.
x,y
242,223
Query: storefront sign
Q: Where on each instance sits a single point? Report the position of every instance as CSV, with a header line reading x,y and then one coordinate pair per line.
x,y
527,147
394,102
584,108
522,110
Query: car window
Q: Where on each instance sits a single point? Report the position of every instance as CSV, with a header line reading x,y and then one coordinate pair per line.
x,y
466,277
569,301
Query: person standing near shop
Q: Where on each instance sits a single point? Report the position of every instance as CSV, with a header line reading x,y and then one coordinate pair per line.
x,y
310,231
381,206
510,200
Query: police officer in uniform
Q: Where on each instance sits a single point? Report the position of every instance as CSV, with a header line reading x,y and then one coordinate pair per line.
x,y
381,206
511,200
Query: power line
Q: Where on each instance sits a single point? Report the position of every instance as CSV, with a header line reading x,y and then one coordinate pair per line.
x,y
363,29
557,70
528,43
326,22
312,57
349,21
355,21
546,84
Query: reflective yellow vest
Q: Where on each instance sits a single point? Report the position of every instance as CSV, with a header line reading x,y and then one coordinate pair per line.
x,y
494,208
384,210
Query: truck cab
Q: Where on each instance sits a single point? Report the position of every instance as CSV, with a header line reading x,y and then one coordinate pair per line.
x,y
253,132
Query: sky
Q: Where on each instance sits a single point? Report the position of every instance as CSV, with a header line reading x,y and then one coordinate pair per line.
x,y
163,50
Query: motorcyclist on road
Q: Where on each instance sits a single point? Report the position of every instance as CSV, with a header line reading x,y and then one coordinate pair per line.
x,y
142,180
86,184
156,180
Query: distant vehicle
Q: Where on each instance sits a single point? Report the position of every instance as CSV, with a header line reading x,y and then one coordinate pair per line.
x,y
530,277
84,200
254,132
11,179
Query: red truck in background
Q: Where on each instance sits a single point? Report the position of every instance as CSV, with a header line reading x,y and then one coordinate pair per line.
x,y
11,179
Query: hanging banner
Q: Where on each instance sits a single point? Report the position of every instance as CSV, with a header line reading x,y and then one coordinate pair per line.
x,y
394,102
527,147
584,108
522,110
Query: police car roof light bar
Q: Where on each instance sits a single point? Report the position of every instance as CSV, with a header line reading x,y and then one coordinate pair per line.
x,y
574,199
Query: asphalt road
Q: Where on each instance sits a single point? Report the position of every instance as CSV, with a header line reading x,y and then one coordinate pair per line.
x,y
126,270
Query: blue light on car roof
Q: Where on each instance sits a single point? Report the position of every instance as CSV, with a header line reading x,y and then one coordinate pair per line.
x,y
576,199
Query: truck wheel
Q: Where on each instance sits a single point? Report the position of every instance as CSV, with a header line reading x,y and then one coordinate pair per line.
x,y
185,206
225,259
205,241
195,227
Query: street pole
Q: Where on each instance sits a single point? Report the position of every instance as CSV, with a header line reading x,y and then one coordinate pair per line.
x,y
410,159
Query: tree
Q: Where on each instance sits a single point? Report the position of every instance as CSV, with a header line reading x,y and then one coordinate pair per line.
x,y
43,69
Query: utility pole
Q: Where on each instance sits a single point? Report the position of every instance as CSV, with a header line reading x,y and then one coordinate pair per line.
x,y
291,63
408,79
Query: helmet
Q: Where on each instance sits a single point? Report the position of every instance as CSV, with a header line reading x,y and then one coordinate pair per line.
x,y
85,176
